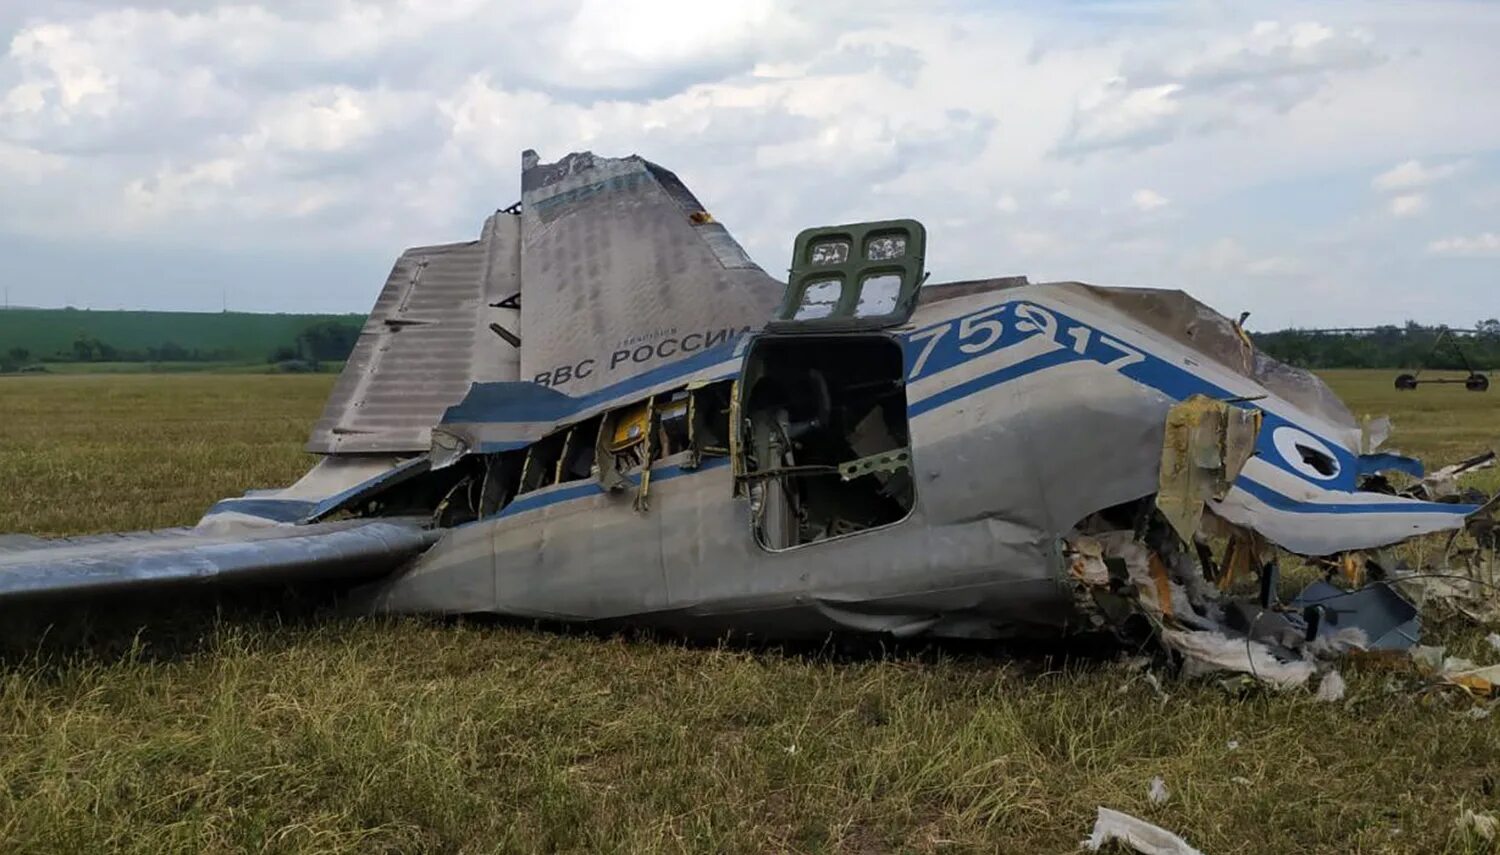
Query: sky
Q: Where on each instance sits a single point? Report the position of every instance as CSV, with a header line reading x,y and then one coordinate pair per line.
x,y
1314,163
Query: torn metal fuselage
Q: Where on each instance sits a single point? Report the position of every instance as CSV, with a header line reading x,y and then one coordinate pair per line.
x,y
1025,411
980,459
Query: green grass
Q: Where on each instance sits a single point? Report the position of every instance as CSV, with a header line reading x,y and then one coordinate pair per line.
x,y
257,730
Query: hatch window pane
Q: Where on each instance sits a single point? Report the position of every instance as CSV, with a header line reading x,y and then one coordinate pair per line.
x,y
830,252
885,247
820,298
878,295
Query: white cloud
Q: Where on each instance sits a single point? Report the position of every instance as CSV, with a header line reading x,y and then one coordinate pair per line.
x,y
1408,205
1482,244
338,128
1036,242
1228,256
1412,175
1231,81
1147,200
24,164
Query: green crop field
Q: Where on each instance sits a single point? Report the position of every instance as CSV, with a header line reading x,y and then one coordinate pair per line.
x,y
231,727
48,333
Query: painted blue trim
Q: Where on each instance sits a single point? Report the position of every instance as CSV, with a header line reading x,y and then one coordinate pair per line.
x,y
494,405
1276,500
551,496
962,390
276,510
523,401
1370,464
409,469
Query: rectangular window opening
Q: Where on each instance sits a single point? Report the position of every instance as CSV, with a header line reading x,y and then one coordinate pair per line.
x,y
825,448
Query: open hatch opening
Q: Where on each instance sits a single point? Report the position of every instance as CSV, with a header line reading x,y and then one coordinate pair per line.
x,y
825,447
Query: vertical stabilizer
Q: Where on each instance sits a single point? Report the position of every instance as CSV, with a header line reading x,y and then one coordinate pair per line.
x,y
625,271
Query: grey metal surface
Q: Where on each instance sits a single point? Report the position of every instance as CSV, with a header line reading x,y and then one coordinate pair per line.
x,y
1031,407
1013,442
354,549
426,340
1182,318
624,272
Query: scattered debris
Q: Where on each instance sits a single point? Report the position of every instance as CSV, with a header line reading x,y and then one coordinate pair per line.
x,y
1443,484
1331,687
1157,792
1210,652
1477,680
1142,836
1155,684
1157,561
1481,825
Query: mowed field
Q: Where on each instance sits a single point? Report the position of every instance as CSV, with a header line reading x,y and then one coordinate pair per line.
x,y
233,728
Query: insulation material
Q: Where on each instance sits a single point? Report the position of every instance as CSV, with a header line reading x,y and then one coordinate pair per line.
x,y
1210,652
1207,444
626,272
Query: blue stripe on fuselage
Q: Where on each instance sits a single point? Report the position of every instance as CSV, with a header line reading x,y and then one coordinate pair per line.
x,y
582,489
1151,371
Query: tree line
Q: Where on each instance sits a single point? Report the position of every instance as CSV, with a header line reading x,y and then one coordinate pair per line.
x,y
324,341
1407,346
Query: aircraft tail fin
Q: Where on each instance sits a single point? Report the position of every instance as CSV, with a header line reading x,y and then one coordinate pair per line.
x,y
625,272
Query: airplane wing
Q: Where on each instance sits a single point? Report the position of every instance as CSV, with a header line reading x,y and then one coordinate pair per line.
x,y
100,564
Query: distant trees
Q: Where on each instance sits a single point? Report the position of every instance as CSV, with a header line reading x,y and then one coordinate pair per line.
x,y
1406,346
327,341
89,349
14,359
324,341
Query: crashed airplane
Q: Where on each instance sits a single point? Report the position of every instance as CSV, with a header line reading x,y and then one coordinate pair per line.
x,y
603,411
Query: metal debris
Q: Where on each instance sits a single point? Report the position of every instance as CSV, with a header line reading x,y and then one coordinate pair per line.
x,y
1157,792
1483,681
1443,484
1112,826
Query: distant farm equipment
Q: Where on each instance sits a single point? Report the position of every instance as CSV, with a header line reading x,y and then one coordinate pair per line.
x,y
1474,381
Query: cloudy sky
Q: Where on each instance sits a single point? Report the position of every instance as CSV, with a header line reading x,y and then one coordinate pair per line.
x,y
1316,163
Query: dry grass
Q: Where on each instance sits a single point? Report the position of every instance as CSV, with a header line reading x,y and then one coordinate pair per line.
x,y
253,731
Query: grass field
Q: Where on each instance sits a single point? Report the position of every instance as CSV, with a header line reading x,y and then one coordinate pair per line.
x,y
254,730
47,332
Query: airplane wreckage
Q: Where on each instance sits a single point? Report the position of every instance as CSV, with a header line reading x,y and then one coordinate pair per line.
x,y
603,411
